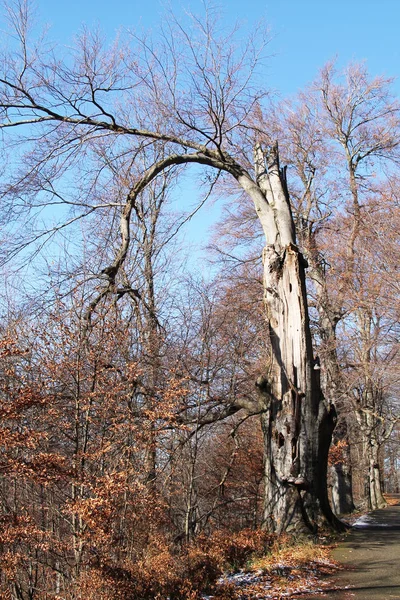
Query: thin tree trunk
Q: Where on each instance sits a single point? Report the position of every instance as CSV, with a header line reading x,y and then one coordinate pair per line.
x,y
374,476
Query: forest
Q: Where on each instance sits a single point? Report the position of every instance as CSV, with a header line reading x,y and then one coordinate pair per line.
x,y
161,420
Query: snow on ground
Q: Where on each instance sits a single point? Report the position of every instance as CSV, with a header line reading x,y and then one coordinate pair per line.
x,y
258,584
368,521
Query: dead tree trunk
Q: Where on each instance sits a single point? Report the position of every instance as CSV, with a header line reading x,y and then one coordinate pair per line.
x,y
297,423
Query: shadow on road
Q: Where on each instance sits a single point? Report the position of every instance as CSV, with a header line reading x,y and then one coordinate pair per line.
x,y
371,557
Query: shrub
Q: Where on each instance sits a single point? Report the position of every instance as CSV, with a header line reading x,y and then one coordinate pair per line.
x,y
234,550
161,574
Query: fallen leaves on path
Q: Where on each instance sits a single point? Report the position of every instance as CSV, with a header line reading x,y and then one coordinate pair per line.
x,y
392,499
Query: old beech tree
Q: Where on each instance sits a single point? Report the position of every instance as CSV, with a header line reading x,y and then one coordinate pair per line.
x,y
191,95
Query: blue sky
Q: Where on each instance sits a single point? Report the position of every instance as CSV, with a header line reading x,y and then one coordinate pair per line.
x,y
305,34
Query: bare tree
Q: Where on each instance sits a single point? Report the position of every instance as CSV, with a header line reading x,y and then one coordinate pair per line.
x,y
308,153
191,93
362,118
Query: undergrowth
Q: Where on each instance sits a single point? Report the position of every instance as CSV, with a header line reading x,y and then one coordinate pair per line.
x,y
204,569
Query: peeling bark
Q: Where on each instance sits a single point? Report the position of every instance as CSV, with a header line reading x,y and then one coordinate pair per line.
x,y
297,423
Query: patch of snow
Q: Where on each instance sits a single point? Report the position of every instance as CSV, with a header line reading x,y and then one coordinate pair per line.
x,y
242,578
368,521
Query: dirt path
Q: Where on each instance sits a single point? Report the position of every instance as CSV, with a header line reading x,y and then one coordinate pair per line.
x,y
371,554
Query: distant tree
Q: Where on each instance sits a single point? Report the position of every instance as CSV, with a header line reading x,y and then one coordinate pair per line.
x,y
362,118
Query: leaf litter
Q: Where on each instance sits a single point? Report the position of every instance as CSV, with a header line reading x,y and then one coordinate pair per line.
x,y
294,573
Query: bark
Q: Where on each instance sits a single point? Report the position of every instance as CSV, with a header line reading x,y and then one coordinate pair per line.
x,y
374,481
297,423
329,316
372,443
342,488
368,413
375,485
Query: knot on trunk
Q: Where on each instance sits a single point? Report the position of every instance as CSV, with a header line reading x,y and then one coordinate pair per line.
x,y
274,259
263,386
300,483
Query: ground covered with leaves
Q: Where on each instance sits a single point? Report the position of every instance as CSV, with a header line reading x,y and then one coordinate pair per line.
x,y
290,568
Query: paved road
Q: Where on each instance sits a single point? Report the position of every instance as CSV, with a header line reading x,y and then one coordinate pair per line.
x,y
371,554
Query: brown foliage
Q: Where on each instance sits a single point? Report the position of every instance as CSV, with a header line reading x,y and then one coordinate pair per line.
x,y
235,549
160,574
83,520
337,452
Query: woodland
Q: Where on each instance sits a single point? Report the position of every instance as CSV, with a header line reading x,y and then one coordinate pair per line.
x,y
161,422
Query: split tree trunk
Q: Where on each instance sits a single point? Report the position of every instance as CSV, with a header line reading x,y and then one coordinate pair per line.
x,y
298,426
297,423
